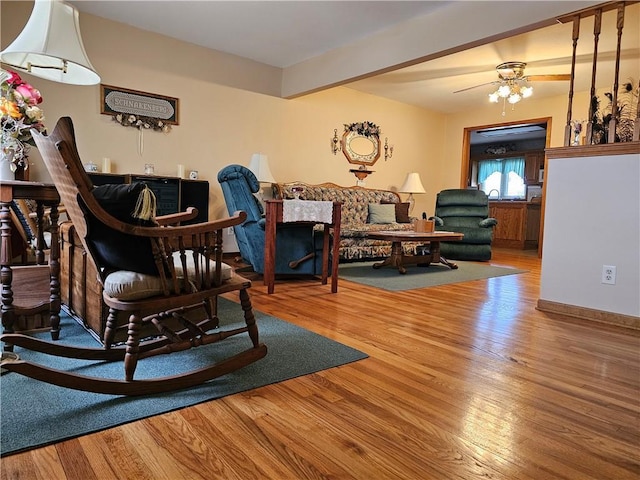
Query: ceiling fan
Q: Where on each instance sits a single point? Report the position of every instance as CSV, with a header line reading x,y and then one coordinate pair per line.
x,y
514,72
513,84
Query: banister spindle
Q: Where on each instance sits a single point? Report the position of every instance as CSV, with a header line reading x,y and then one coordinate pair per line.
x,y
596,35
575,35
614,101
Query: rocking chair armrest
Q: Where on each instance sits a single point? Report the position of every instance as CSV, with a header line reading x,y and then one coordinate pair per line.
x,y
178,231
173,218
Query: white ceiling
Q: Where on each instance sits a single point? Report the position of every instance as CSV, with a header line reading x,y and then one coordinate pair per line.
x,y
285,33
278,33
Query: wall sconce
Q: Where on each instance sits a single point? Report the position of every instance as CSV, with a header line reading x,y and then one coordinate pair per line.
x,y
335,142
388,150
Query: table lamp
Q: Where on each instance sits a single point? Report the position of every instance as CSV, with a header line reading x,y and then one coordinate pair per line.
x,y
259,165
411,185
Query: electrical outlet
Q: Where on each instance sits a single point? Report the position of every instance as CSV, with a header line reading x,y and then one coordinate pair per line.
x,y
609,274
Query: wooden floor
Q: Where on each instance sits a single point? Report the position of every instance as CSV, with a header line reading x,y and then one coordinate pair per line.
x,y
464,381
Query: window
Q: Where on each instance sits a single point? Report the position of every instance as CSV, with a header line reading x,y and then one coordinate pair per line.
x,y
502,178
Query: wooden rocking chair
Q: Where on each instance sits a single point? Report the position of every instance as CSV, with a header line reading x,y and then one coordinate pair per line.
x,y
186,278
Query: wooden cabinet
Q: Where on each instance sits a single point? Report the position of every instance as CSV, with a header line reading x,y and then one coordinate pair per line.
x,y
532,232
518,224
533,162
173,194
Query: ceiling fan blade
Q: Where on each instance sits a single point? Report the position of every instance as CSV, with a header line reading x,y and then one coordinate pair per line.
x,y
548,78
476,86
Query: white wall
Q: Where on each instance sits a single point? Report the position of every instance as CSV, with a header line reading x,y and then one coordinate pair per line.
x,y
592,219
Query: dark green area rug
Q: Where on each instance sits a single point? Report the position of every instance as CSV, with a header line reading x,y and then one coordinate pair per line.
x,y
389,278
35,414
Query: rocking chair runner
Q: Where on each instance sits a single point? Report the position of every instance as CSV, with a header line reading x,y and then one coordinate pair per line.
x,y
189,276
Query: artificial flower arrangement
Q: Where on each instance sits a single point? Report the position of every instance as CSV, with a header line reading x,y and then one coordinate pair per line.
x,y
20,113
625,112
137,121
367,129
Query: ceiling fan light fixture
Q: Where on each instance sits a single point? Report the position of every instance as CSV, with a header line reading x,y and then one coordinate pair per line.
x,y
526,91
514,98
504,90
494,97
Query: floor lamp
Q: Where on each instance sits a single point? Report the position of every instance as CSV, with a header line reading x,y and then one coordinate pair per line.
x,y
411,185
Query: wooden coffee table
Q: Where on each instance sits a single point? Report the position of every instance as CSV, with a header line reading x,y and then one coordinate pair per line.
x,y
398,259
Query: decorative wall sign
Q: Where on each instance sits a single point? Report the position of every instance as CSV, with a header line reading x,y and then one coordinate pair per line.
x,y
136,108
144,111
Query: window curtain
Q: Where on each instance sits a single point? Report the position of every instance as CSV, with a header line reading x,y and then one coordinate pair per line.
x,y
503,165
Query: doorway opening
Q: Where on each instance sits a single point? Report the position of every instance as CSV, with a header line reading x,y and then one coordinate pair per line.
x,y
507,161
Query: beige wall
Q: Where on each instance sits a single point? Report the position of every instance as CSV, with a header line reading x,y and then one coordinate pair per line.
x,y
221,124
223,120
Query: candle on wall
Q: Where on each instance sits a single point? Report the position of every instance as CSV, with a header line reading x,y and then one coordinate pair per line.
x,y
106,165
181,171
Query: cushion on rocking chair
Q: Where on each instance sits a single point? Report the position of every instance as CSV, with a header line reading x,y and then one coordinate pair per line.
x,y
126,285
130,203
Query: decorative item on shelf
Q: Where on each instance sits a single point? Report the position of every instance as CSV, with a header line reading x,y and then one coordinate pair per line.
x,y
20,113
149,169
411,185
50,46
259,165
625,115
361,173
576,128
388,149
180,171
193,174
335,142
90,167
106,165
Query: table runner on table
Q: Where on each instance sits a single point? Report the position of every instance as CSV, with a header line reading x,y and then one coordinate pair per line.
x,y
307,211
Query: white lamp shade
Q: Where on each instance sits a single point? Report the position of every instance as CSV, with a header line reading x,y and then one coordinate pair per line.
x,y
259,165
52,38
412,184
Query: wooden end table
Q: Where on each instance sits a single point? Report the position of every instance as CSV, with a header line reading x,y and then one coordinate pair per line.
x,y
398,259
35,288
274,217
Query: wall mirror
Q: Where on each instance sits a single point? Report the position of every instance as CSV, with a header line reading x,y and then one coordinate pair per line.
x,y
361,143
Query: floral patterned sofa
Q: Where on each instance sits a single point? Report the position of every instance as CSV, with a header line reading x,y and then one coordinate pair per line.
x,y
356,216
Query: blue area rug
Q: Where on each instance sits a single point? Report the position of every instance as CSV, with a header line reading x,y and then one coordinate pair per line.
x,y
34,414
389,278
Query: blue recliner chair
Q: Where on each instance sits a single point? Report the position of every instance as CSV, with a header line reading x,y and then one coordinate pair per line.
x,y
293,242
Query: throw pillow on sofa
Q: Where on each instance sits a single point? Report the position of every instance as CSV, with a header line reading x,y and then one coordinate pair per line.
x,y
382,213
402,211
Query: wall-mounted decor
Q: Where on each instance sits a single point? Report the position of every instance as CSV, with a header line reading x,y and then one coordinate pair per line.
x,y
132,108
360,144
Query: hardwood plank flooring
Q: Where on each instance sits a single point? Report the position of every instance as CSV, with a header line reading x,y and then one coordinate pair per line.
x,y
463,381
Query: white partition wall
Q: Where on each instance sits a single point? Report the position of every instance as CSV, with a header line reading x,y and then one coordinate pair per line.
x,y
592,218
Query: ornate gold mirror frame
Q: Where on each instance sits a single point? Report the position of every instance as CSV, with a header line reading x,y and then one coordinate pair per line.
x,y
361,143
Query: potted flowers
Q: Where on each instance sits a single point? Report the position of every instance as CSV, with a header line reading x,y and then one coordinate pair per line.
x,y
20,113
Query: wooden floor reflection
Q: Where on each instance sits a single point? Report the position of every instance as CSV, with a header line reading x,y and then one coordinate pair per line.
x,y
463,381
